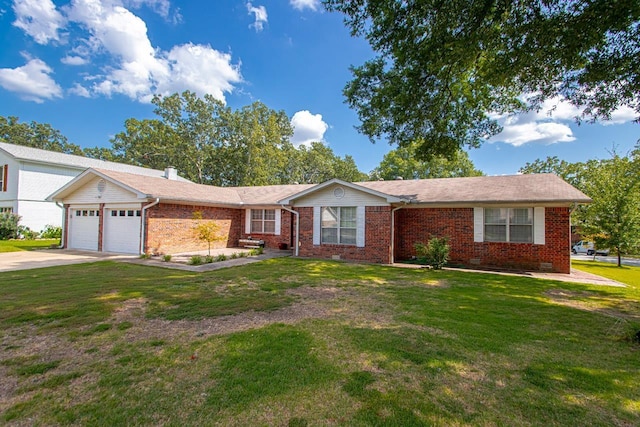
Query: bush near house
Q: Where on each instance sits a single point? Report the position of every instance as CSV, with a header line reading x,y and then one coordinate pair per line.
x,y
9,225
435,253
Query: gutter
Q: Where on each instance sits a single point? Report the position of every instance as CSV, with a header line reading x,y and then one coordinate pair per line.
x,y
143,222
297,214
64,223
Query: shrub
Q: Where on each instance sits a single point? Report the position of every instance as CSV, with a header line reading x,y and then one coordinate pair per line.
x,y
195,260
221,257
145,256
9,225
234,255
208,259
27,233
51,232
435,253
242,254
166,258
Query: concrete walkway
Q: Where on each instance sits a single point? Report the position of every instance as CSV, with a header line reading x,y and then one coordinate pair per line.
x,y
183,258
576,276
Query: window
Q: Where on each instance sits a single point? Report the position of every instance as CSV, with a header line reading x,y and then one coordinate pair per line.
x,y
338,225
263,221
508,225
2,179
6,210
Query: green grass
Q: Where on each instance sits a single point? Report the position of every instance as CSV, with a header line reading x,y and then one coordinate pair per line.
x,y
338,344
629,275
26,245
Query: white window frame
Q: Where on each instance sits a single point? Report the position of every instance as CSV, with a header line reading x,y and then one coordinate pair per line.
x,y
508,224
258,216
339,227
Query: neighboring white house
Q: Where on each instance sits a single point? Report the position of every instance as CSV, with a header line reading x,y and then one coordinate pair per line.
x,y
28,175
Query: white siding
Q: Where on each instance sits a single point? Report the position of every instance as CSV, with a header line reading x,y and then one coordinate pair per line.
x,y
316,225
360,227
112,194
37,215
478,224
351,197
39,181
538,226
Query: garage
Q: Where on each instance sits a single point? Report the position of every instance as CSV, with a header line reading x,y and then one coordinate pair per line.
x,y
122,230
83,228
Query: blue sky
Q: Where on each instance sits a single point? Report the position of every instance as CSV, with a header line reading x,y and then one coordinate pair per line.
x,y
85,66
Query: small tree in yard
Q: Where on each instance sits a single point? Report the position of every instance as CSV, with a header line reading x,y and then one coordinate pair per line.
x,y
9,225
435,253
206,231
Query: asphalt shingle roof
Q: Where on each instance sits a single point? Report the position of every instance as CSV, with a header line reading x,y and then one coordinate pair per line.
x,y
21,152
535,188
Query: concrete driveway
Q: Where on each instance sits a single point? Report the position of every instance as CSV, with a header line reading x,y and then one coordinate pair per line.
x,y
25,260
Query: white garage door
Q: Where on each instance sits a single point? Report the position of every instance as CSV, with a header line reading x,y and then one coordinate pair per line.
x,y
122,231
83,229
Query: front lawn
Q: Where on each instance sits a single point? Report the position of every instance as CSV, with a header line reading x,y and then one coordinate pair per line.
x,y
26,245
627,274
302,342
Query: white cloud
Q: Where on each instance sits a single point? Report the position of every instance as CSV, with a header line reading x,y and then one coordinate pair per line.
x,y
260,13
140,70
39,19
550,124
622,115
74,60
161,7
307,128
31,82
302,4
79,90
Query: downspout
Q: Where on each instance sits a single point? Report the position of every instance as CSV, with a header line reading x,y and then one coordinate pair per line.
x,y
571,211
143,222
297,214
393,231
64,223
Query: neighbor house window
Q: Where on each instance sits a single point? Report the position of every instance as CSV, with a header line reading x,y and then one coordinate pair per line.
x,y
508,225
263,220
339,225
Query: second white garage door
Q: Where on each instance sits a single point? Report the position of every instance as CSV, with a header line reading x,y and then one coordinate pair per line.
x,y
122,230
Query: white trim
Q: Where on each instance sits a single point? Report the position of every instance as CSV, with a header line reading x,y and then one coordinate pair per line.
x,y
389,198
478,225
360,224
247,221
538,226
316,225
278,220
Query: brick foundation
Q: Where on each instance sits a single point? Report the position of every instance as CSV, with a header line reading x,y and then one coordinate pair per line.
x,y
419,225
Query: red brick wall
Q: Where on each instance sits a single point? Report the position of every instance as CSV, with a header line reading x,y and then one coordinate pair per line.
x,y
419,225
377,238
170,228
271,240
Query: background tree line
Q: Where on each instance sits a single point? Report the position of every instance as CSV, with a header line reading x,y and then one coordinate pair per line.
x,y
210,143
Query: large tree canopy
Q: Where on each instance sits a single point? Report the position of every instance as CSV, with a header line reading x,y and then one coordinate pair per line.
x,y
445,67
210,143
36,135
402,163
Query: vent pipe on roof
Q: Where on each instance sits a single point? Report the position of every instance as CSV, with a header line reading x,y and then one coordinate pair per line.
x,y
171,173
